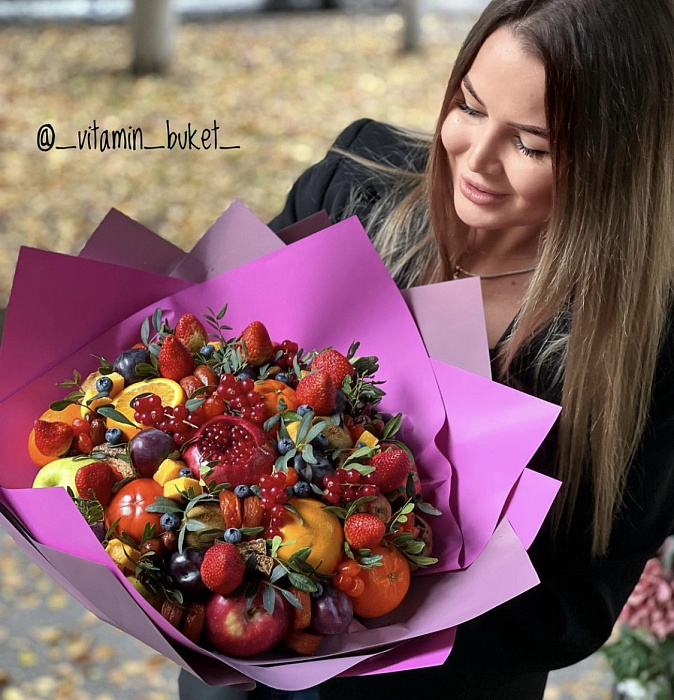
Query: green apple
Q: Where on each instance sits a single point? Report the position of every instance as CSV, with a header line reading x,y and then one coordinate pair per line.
x,y
60,472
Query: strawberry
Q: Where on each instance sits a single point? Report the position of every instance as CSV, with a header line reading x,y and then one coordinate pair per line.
x,y
191,331
52,438
222,568
95,481
317,390
259,348
175,360
335,364
364,530
391,469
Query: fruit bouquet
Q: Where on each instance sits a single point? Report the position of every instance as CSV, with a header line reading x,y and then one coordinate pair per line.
x,y
249,492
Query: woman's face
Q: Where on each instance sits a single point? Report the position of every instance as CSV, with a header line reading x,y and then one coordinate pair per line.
x,y
495,135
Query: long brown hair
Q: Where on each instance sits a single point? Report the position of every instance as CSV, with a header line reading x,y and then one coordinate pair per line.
x,y
607,253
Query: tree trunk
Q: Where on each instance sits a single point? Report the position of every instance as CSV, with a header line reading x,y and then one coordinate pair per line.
x,y
411,13
153,32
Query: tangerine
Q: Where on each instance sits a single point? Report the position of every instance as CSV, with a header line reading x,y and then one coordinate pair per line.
x,y
318,529
272,391
67,415
385,585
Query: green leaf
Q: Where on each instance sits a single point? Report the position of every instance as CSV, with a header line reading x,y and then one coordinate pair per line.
x,y
275,544
373,560
60,405
295,512
308,454
422,561
220,315
392,427
429,509
302,583
109,412
194,525
163,505
192,404
251,531
316,429
143,369
291,598
271,422
352,349
269,599
145,331
278,572
291,417
157,320
305,424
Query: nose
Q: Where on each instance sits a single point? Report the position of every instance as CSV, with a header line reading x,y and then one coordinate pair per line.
x,y
484,153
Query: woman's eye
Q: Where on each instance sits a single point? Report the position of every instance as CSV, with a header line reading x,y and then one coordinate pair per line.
x,y
465,107
530,152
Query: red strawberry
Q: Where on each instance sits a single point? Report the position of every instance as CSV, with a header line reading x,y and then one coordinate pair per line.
x,y
364,530
95,481
317,390
175,360
391,469
53,439
191,331
335,364
259,347
222,568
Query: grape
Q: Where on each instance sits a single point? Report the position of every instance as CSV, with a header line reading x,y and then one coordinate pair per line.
x,y
332,612
185,569
99,530
148,449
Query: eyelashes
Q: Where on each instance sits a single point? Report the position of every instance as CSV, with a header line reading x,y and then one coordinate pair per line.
x,y
535,153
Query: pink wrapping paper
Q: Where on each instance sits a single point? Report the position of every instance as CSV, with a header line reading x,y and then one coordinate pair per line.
x,y
496,552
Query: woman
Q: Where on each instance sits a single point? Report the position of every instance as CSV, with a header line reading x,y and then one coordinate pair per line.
x,y
550,176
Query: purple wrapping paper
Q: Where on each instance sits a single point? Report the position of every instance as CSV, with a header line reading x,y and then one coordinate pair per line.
x,y
330,316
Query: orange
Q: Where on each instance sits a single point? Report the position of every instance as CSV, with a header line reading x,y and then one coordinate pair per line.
x,y
67,415
385,586
272,391
319,529
170,393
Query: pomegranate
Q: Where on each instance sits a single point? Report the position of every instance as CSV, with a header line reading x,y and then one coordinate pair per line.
x,y
241,448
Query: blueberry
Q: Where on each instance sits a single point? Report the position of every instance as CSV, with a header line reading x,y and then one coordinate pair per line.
x,y
207,350
185,471
285,445
246,373
340,401
282,377
104,385
361,444
114,436
302,489
303,410
242,490
233,535
319,590
170,521
320,441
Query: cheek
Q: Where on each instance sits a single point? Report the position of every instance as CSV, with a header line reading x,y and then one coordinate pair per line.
x,y
535,186
453,135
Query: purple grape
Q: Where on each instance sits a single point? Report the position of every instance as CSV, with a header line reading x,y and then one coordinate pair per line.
x,y
332,612
185,569
99,530
148,449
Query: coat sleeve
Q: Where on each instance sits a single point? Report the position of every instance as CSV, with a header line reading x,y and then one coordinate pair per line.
x,y
318,188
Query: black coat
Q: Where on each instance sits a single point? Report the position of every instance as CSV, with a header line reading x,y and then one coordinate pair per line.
x,y
572,612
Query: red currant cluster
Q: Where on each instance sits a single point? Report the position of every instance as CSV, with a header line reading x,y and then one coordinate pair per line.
x,y
177,421
241,397
272,497
347,485
289,351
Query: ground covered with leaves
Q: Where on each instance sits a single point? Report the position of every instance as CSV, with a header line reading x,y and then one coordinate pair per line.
x,y
279,86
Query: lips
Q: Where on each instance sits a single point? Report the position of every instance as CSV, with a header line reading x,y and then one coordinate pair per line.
x,y
479,194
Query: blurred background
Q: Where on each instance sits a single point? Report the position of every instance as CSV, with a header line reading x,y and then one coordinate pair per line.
x,y
281,78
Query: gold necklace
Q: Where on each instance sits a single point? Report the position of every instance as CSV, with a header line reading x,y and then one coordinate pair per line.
x,y
458,270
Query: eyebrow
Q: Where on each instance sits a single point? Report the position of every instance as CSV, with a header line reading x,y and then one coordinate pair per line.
x,y
535,130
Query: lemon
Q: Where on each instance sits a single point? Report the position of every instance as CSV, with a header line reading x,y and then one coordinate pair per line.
x,y
319,529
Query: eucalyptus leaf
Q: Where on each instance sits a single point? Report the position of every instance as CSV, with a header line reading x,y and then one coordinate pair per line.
x,y
302,583
269,599
109,412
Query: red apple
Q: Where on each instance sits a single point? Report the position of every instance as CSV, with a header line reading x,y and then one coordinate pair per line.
x,y
380,506
235,631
